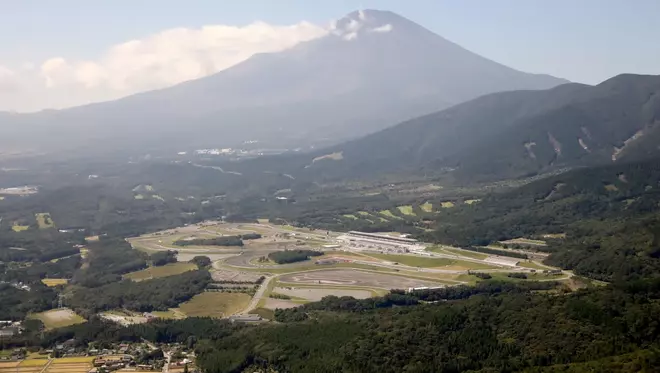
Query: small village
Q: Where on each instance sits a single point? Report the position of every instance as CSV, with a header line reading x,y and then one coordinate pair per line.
x,y
121,357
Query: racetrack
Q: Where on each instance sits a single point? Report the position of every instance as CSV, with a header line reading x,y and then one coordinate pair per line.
x,y
354,277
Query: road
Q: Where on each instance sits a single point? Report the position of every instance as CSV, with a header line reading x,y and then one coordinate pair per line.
x,y
258,295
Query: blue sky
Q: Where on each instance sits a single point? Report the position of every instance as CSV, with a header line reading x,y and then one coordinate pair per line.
x,y
583,40
580,40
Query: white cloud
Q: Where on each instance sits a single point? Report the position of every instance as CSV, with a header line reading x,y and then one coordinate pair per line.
x,y
160,60
383,28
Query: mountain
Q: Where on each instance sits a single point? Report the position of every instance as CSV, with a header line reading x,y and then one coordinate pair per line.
x,y
373,69
512,134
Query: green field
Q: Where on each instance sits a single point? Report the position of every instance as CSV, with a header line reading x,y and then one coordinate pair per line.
x,y
162,271
447,204
138,196
427,207
215,304
532,265
406,210
44,220
350,216
389,214
414,261
471,201
264,312
466,253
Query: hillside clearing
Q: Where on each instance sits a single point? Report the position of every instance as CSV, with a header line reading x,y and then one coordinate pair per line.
x,y
407,210
44,220
58,318
215,304
427,207
162,271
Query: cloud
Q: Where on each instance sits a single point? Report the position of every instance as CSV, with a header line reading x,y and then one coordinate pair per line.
x,y
7,80
156,61
383,28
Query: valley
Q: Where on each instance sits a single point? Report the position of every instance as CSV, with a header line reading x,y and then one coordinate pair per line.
x,y
361,196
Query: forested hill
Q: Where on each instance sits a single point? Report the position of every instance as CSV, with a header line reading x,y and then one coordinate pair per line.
x,y
609,215
502,135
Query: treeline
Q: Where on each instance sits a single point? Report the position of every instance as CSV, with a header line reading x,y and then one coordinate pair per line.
x,y
108,259
150,295
491,251
503,331
219,241
16,304
37,245
216,241
402,298
292,256
161,258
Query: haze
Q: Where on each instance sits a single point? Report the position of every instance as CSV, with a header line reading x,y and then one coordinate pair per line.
x,y
73,52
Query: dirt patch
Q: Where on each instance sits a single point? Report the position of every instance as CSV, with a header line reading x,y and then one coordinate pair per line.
x,y
279,303
235,276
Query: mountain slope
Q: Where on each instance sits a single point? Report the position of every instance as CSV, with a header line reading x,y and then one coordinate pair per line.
x,y
516,133
373,69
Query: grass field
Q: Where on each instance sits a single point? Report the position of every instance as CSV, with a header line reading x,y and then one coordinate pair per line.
x,y
50,282
264,312
532,265
350,216
162,271
471,201
466,253
427,207
414,261
447,204
389,214
215,304
44,220
138,196
19,228
407,210
58,318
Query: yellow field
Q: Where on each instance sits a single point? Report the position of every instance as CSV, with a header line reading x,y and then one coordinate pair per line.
x,y
215,304
427,207
19,228
44,220
92,238
75,359
162,271
33,363
58,318
50,282
406,210
389,214
447,204
471,201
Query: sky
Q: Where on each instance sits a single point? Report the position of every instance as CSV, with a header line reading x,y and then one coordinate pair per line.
x,y
56,54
